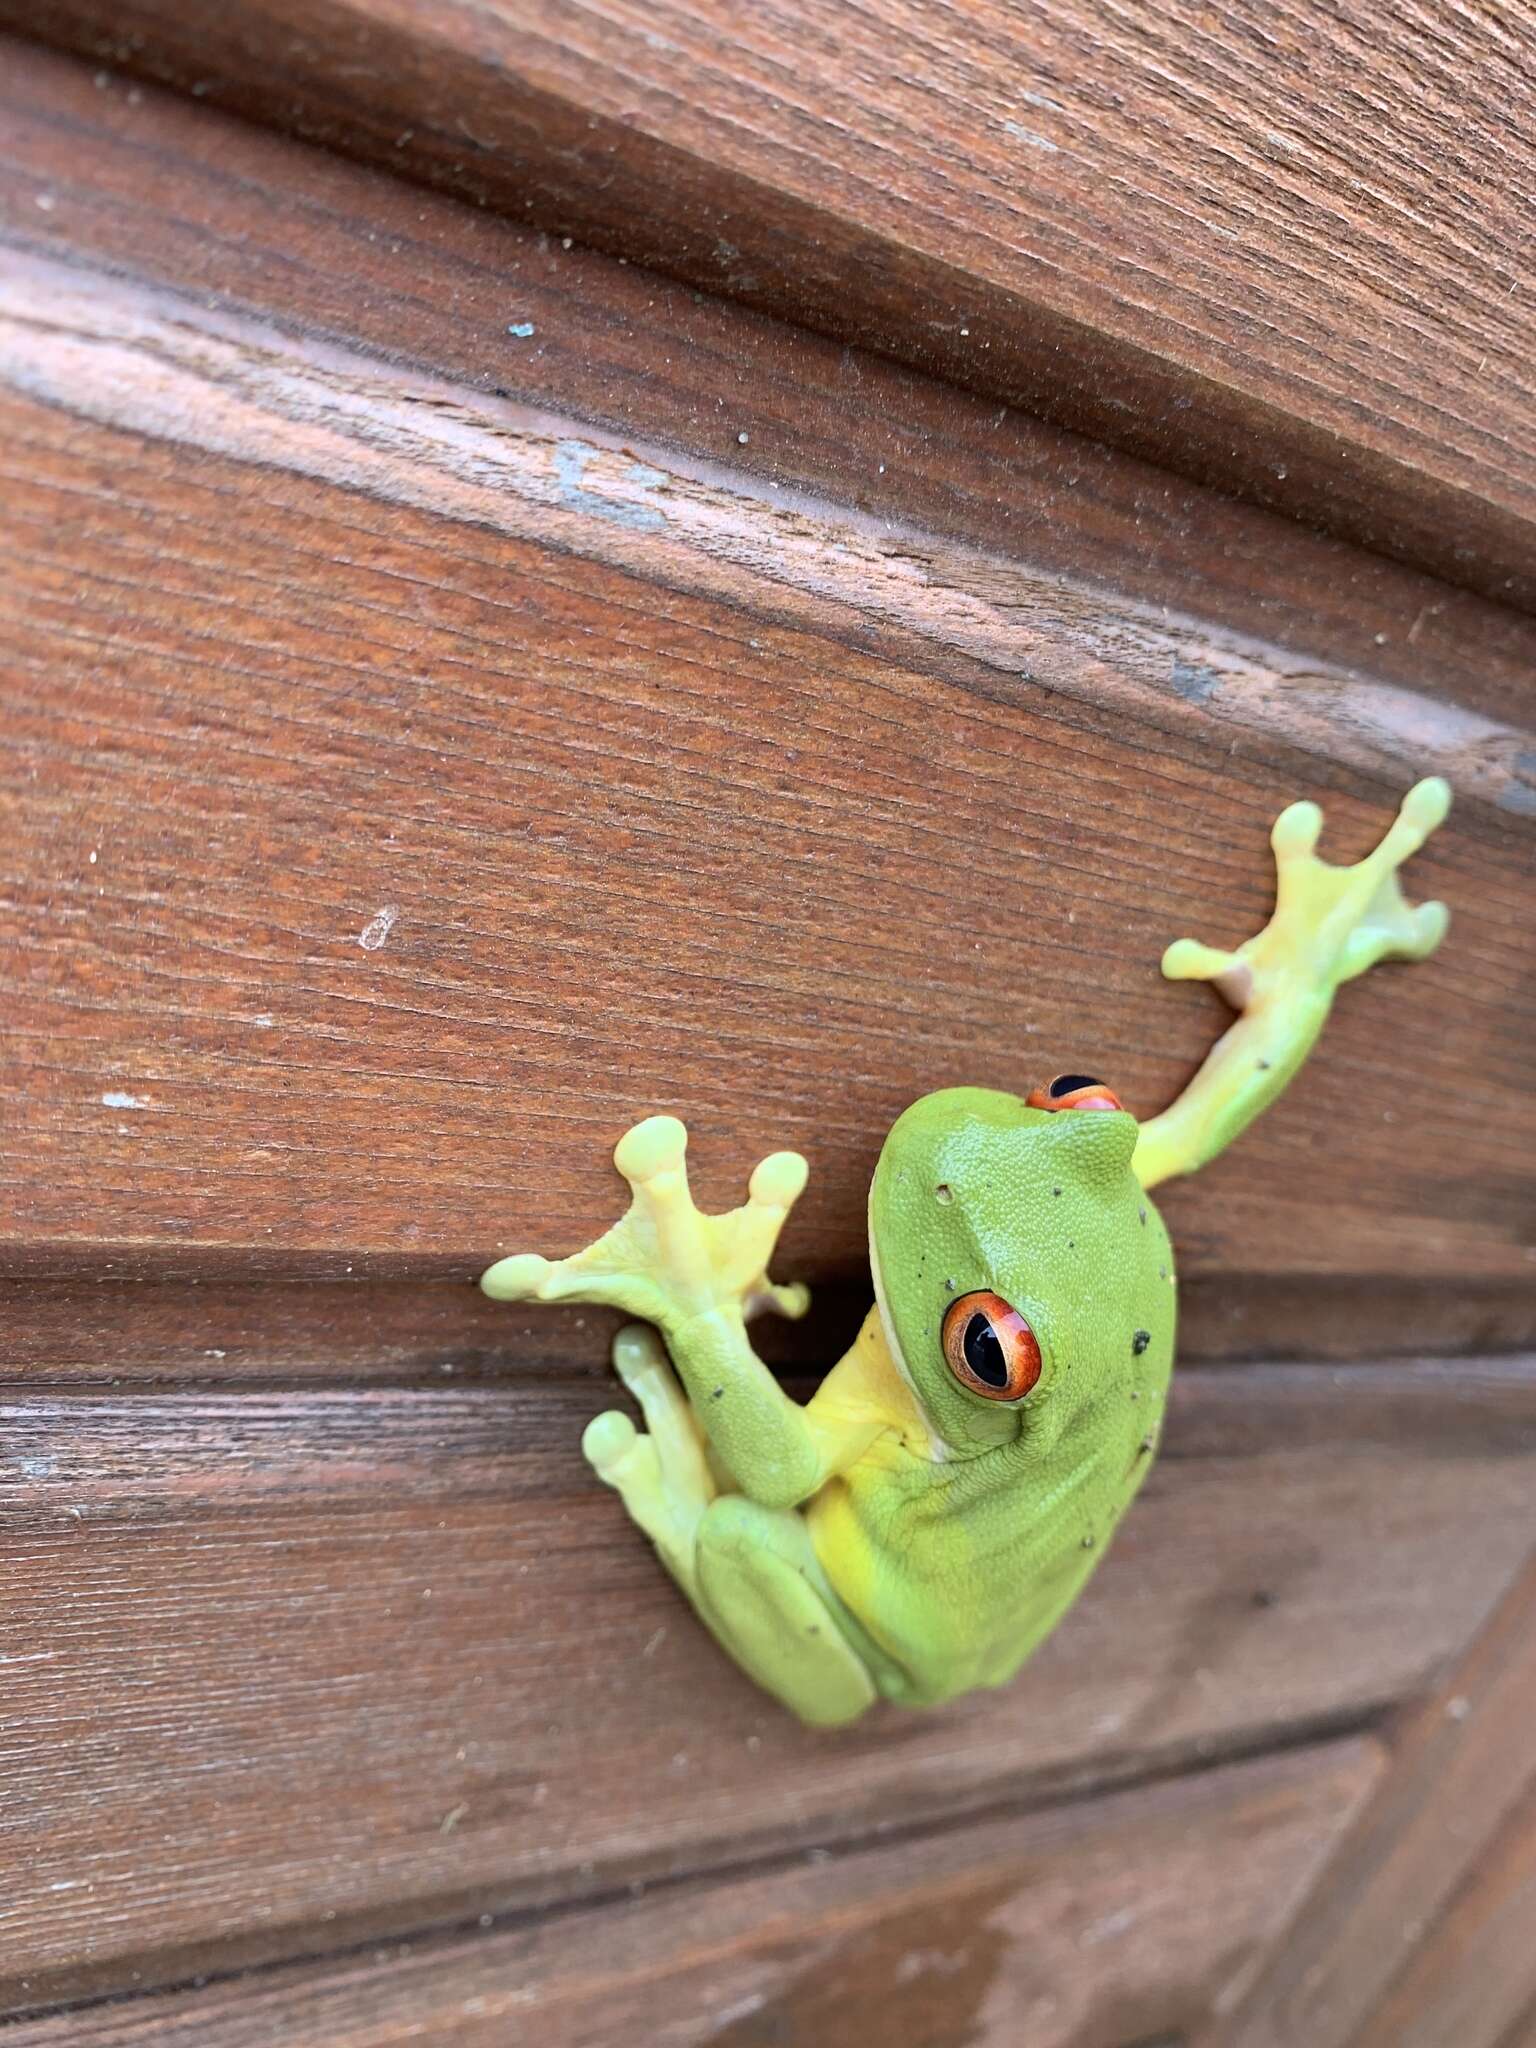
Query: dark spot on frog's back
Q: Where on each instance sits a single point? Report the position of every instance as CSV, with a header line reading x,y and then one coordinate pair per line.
x,y
1140,1342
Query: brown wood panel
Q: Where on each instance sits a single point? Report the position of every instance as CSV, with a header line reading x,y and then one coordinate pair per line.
x,y
1523,2033
431,743
1284,253
1419,1935
1477,1968
288,1670
92,166
298,640
1084,1926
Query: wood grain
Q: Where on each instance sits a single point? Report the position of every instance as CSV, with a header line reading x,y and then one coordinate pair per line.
x,y
292,1670
1475,1971
306,650
1283,254
1523,2033
95,168
1418,1936
1087,1925
1031,507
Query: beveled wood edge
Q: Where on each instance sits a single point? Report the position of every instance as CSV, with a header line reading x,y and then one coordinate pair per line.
x,y
545,159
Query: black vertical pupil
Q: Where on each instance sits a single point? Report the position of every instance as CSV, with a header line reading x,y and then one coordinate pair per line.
x,y
984,1352
1068,1084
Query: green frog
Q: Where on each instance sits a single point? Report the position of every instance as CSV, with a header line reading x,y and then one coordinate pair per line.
x,y
920,1525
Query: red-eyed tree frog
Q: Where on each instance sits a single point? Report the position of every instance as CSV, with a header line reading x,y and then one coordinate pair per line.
x,y
920,1525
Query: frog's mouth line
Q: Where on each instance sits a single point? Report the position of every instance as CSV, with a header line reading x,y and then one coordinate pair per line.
x,y
939,1450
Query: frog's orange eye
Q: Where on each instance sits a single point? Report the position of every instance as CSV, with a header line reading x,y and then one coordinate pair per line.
x,y
1073,1091
990,1348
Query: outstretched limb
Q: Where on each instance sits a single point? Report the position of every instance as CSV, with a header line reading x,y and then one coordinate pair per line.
x,y
1329,925
698,1277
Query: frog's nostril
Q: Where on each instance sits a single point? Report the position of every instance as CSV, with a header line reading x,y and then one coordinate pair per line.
x,y
1074,1091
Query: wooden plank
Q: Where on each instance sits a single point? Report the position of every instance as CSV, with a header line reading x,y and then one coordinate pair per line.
x,y
293,1670
1085,1926
1287,257
298,640
93,167
1419,1936
1475,1974
87,167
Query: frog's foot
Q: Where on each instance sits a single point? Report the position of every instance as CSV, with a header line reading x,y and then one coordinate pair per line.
x,y
1330,923
641,1362
661,1474
664,1259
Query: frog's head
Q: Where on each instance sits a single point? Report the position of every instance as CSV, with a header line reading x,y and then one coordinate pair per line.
x,y
1018,1265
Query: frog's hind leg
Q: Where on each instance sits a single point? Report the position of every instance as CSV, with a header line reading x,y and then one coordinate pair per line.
x,y
762,1592
661,1473
750,1571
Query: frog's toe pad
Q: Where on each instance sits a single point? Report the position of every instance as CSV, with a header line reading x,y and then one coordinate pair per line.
x,y
1431,922
1295,833
637,1349
1427,804
607,1441
1189,960
651,1148
516,1279
779,1180
790,1301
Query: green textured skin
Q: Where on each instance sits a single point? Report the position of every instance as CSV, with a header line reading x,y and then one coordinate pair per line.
x,y
977,1557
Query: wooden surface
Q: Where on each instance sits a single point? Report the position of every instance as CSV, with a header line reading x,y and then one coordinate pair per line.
x,y
427,745
293,1669
1419,1935
385,635
758,930
1470,1979
1078,1923
96,165
1285,254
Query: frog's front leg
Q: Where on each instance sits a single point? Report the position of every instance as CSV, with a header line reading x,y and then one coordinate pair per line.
x,y
698,1277
1329,925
